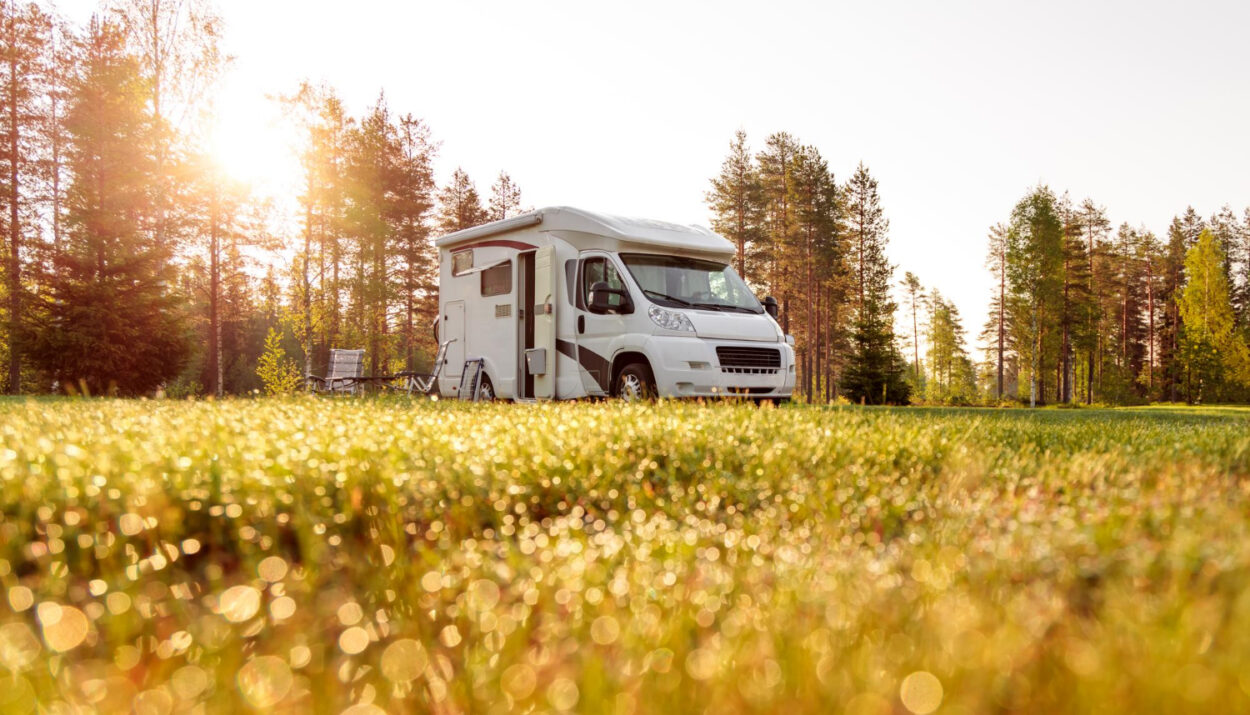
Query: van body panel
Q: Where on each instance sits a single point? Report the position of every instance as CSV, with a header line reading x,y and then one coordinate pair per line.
x,y
545,327
454,317
690,367
599,336
734,326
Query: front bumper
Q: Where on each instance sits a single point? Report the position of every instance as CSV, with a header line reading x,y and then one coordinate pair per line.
x,y
688,367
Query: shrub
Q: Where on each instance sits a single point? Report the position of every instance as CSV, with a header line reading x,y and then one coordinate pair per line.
x,y
278,373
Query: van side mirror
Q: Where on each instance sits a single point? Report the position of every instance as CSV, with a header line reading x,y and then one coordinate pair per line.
x,y
770,307
601,296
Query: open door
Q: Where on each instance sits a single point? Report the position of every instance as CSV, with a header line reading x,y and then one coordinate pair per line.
x,y
525,328
542,358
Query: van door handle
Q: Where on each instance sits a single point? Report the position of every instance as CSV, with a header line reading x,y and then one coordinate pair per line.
x,y
581,324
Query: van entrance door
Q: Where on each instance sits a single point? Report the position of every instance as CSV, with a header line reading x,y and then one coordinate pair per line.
x,y
599,334
453,324
543,307
525,322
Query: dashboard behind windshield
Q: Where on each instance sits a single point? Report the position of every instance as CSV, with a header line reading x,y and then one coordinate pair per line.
x,y
678,282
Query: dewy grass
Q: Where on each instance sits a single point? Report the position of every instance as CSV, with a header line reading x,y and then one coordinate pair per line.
x,y
327,554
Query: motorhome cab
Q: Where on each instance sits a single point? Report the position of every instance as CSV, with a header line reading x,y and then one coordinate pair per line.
x,y
562,303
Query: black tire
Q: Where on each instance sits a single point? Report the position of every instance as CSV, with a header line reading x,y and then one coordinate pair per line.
x,y
486,390
634,383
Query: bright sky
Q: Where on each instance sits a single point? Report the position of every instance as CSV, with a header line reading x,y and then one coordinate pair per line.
x,y
957,107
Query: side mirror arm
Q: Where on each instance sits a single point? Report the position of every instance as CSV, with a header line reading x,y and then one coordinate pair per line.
x,y
770,307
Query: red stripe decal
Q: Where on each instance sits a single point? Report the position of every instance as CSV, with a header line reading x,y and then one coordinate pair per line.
x,y
518,245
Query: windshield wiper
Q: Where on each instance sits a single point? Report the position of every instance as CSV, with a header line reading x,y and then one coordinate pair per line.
x,y
662,296
726,306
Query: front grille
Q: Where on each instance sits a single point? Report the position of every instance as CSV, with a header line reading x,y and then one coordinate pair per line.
x,y
749,390
748,361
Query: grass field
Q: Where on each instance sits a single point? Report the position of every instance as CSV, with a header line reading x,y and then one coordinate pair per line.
x,y
331,555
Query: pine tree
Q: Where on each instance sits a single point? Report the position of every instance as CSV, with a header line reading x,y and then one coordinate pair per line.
x,y
1192,225
417,269
875,373
1127,336
1075,302
775,165
24,34
914,291
812,260
177,46
224,219
373,157
505,198
317,271
1151,259
1227,230
112,324
58,61
1095,228
996,328
459,206
1173,282
866,234
1241,302
737,203
952,379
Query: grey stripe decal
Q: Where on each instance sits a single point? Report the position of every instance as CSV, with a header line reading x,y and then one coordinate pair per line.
x,y
594,363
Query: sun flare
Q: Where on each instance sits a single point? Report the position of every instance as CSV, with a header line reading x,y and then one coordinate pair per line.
x,y
250,144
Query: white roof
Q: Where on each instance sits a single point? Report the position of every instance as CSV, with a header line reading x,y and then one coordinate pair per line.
x,y
631,230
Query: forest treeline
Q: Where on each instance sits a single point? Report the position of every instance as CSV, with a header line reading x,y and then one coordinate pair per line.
x,y
1086,313
818,246
133,263
1081,313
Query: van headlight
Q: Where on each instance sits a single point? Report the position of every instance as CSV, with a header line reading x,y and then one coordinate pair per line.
x,y
670,320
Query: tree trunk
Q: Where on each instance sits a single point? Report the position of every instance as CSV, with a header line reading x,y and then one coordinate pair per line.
x,y
307,297
1096,348
1002,317
915,339
1037,345
1150,331
409,336
1064,387
1124,326
214,293
15,226
818,371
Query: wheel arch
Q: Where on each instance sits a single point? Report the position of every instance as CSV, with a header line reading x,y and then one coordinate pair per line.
x,y
627,357
490,372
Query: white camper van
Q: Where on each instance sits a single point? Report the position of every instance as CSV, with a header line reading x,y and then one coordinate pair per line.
x,y
562,303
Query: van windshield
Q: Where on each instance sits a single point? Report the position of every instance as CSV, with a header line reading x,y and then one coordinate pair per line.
x,y
678,282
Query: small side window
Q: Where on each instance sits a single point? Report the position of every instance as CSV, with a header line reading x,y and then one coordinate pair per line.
x,y
461,262
497,280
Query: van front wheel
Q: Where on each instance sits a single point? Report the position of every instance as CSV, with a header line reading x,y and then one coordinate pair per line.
x,y
634,383
485,391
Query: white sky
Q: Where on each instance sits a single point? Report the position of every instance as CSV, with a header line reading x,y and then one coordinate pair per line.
x,y
956,107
